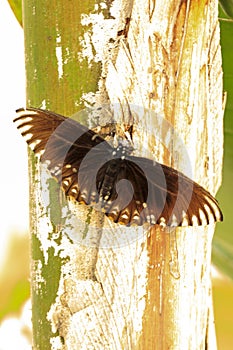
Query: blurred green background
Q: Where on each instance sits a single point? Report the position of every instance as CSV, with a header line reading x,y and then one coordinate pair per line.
x,y
14,285
223,240
222,254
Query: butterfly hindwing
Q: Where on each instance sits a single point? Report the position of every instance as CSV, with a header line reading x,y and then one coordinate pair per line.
x,y
182,199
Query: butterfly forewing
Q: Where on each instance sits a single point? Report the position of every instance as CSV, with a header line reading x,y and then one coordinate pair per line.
x,y
130,190
64,143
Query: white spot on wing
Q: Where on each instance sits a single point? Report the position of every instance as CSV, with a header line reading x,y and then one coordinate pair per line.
x,y
28,136
152,219
26,119
162,222
210,214
194,220
174,222
125,216
185,221
136,217
84,194
115,211
203,217
26,113
56,170
65,183
35,143
215,208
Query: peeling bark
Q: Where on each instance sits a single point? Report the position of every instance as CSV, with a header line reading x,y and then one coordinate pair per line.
x,y
120,288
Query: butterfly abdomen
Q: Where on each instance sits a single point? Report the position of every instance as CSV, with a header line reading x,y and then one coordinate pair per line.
x,y
106,183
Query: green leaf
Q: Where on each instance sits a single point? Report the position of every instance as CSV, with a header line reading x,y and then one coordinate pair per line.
x,y
16,6
227,6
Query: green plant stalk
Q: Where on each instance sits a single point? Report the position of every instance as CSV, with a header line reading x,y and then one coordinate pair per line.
x,y
51,28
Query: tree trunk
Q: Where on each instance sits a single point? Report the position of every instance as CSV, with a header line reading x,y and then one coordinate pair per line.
x,y
95,286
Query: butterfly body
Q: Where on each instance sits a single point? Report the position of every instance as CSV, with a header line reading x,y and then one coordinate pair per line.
x,y
128,189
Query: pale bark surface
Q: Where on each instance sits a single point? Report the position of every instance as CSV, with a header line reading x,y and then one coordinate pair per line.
x,y
147,290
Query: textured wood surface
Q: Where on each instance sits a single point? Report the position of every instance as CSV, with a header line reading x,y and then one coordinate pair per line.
x,y
130,288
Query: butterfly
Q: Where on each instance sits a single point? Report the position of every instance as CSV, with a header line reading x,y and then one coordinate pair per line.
x,y
130,190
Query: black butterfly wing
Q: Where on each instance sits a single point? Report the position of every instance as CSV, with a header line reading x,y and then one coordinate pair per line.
x,y
65,144
158,194
131,190
187,202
